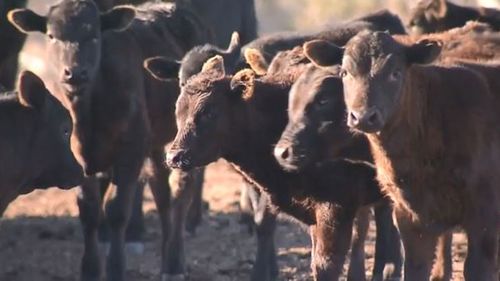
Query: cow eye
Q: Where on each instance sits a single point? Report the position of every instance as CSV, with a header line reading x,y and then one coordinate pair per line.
x,y
395,75
51,37
322,102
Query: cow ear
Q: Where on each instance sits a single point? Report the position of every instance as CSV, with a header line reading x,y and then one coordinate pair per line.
x,y
118,19
31,90
256,61
437,8
243,83
27,21
423,52
162,68
215,65
323,53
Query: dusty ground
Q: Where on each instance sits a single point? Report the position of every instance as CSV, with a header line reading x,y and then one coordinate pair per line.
x,y
40,239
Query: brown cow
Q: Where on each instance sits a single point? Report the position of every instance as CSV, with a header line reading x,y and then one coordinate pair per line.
x,y
35,147
239,118
435,139
316,130
430,16
118,119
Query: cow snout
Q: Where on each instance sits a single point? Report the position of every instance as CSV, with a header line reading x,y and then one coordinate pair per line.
x,y
75,75
369,121
283,152
178,159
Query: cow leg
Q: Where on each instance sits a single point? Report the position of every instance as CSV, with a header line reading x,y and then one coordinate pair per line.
x,y
89,204
419,245
118,208
357,264
135,228
266,265
249,199
161,193
333,232
482,252
442,268
388,251
195,211
182,185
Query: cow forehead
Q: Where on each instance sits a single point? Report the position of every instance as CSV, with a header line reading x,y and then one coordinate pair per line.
x,y
74,14
313,81
367,52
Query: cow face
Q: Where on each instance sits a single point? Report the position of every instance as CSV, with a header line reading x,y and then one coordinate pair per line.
x,y
73,29
52,158
374,68
203,113
316,116
428,17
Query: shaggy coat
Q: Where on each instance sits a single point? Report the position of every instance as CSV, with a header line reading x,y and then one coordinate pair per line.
x,y
120,114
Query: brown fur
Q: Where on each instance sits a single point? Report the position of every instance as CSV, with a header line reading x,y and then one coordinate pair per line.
x,y
436,148
243,133
441,15
475,41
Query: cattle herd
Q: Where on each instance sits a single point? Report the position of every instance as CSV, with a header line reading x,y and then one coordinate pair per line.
x,y
370,114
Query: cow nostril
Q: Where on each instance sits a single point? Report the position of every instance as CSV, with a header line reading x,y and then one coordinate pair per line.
x,y
373,118
282,152
67,72
353,118
285,154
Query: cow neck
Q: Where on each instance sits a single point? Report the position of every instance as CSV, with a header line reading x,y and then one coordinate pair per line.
x,y
415,162
262,119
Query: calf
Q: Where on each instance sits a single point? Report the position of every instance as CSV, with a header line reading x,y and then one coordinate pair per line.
x,y
307,140
35,146
214,108
440,15
316,112
12,42
427,131
253,206
316,130
117,117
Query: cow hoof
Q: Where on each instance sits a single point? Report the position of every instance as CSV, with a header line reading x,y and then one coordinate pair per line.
x,y
134,248
104,248
173,277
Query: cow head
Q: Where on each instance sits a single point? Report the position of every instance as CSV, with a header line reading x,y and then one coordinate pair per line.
x,y
428,16
164,68
73,29
51,152
204,113
316,116
374,68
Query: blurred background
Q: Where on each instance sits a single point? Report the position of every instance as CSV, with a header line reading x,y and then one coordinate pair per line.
x,y
307,15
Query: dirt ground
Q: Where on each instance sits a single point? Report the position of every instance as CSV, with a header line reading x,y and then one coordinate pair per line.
x,y
40,239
